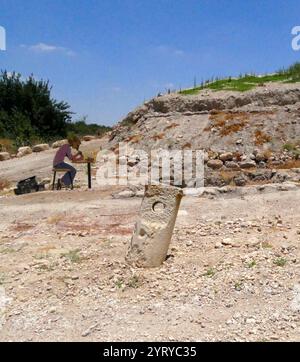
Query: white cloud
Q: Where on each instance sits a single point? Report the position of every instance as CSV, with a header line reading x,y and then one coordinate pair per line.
x,y
47,48
168,50
179,52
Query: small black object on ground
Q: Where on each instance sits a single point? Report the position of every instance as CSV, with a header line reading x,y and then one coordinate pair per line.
x,y
28,185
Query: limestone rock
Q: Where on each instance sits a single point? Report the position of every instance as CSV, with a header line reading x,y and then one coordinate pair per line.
x,y
240,180
227,241
23,151
215,164
247,164
58,144
152,236
4,156
260,156
41,147
227,156
232,165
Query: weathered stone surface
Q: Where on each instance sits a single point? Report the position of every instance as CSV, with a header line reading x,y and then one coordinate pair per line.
x,y
4,156
247,164
232,165
227,241
215,164
151,239
261,175
58,144
23,151
26,150
227,156
260,156
41,147
240,180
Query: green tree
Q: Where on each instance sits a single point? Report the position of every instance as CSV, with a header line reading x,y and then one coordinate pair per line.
x,y
28,111
80,127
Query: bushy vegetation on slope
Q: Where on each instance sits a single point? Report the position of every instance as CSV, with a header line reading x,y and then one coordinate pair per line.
x,y
247,81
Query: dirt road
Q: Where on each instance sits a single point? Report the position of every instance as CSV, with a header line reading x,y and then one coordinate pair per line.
x,y
38,164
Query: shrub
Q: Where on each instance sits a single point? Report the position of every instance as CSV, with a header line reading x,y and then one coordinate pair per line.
x,y
81,128
29,114
288,147
7,145
261,138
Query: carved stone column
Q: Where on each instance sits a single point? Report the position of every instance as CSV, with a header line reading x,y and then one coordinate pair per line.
x,y
153,232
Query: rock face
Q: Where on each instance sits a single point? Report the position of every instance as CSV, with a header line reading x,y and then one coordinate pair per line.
x,y
153,232
237,131
23,151
41,147
217,120
4,156
58,144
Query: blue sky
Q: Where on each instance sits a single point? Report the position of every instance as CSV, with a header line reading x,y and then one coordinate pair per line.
x,y
104,57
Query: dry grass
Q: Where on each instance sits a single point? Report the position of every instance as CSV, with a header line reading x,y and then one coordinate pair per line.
x,y
187,145
261,138
232,128
227,123
232,122
7,145
228,176
267,154
134,139
158,136
170,126
19,227
238,156
287,165
73,256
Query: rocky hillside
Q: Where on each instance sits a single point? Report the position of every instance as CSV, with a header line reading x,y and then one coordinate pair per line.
x,y
246,135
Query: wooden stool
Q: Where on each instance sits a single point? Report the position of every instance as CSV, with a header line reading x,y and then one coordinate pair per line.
x,y
62,170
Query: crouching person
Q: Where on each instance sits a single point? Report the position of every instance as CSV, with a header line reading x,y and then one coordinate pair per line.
x,y
59,160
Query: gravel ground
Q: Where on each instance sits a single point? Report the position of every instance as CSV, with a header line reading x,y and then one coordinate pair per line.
x,y
232,273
